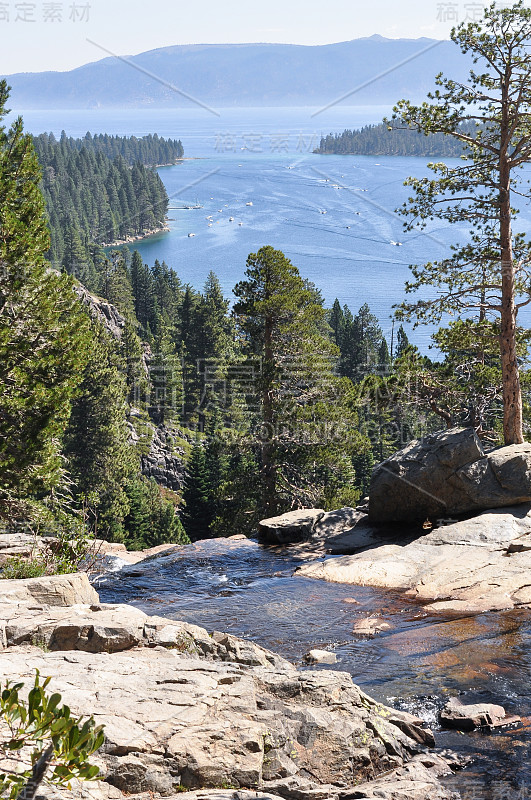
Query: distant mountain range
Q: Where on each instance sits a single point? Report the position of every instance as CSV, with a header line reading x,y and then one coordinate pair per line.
x,y
248,75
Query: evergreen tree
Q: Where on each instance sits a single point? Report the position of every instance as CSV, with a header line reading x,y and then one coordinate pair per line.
x,y
152,519
43,332
99,455
135,372
402,342
166,377
488,275
337,323
198,515
142,288
118,288
384,357
305,418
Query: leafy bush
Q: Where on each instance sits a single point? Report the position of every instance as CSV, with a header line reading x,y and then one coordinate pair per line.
x,y
20,567
41,741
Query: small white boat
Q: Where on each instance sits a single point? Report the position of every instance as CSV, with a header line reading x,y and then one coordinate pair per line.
x,y
396,244
240,224
220,211
323,212
209,224
249,204
190,235
231,219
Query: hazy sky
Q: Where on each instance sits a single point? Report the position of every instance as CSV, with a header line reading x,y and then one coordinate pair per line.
x,y
39,35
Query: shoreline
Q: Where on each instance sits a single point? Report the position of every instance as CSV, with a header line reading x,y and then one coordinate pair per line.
x,y
138,238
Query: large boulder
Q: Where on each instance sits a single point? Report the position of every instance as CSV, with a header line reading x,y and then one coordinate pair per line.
x,y
448,473
295,526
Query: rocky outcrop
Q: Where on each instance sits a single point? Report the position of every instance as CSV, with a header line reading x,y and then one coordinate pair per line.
x,y
295,526
186,710
448,474
320,657
311,525
175,719
467,567
164,462
58,590
487,716
109,628
102,311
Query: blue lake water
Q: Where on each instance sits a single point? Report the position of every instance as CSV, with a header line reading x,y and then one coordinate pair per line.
x,y
333,216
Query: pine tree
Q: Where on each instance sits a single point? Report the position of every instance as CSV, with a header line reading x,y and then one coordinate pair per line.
x,y
384,358
402,342
337,323
488,275
142,288
166,376
43,331
135,372
305,418
100,458
198,515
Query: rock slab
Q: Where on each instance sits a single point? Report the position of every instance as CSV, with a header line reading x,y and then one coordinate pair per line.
x,y
463,717
480,564
295,526
175,720
57,590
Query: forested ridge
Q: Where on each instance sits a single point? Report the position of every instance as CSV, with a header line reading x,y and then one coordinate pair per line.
x,y
98,190
380,140
151,150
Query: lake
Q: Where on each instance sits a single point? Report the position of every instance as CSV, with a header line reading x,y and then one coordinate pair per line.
x,y
258,182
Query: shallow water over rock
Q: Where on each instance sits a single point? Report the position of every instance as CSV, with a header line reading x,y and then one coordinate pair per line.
x,y
242,588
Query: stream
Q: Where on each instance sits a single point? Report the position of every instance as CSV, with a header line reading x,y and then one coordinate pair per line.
x,y
250,591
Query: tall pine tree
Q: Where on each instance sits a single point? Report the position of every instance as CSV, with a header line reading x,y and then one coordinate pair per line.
x,y
43,331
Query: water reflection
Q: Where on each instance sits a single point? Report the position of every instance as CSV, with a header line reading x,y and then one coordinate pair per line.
x,y
417,664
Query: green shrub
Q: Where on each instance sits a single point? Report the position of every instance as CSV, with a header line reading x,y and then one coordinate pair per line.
x,y
20,567
41,741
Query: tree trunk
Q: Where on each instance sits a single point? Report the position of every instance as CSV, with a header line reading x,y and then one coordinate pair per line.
x,y
512,394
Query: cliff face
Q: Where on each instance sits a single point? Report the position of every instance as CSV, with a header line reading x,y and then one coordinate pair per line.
x,y
102,311
164,462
